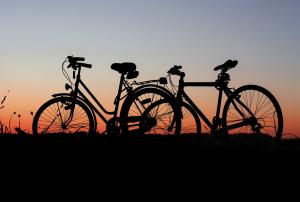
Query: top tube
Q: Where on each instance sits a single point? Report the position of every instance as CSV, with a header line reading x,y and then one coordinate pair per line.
x,y
199,84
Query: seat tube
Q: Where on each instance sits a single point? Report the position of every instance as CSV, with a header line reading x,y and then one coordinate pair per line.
x,y
179,97
180,88
117,101
216,120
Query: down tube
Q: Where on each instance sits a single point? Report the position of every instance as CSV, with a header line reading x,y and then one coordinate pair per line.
x,y
92,106
188,99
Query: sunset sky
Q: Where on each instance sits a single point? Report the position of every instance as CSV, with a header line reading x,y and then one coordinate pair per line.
x,y
37,35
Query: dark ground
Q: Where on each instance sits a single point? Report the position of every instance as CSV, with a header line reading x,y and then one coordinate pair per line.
x,y
231,144
146,165
147,156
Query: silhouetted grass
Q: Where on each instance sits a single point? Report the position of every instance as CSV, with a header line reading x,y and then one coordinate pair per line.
x,y
3,128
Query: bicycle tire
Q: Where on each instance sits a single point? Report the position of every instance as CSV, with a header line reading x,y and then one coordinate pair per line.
x,y
59,108
141,100
249,93
158,119
192,123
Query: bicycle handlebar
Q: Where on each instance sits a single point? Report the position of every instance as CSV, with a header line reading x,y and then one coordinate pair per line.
x,y
224,68
75,59
85,65
74,62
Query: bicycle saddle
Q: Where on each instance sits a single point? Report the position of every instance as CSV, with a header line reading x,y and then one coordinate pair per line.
x,y
227,65
124,68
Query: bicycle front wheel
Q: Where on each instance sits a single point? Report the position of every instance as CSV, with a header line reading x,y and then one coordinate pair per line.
x,y
63,115
252,109
190,122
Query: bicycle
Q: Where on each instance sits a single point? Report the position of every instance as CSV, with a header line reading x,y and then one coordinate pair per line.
x,y
74,113
250,109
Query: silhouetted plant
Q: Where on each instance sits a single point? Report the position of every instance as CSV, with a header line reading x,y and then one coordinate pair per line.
x,y
19,116
21,132
3,128
3,100
18,129
10,121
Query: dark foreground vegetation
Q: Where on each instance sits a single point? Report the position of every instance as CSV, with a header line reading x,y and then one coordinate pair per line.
x,y
147,155
152,142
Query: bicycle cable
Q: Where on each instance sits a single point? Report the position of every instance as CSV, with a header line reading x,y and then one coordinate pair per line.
x,y
173,86
65,73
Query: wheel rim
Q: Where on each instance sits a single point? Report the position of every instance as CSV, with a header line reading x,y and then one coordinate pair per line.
x,y
190,123
266,121
58,118
137,107
159,116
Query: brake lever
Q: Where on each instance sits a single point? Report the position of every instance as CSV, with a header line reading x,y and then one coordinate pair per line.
x,y
170,71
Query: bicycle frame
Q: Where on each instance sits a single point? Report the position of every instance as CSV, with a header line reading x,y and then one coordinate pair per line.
x,y
221,86
183,94
76,93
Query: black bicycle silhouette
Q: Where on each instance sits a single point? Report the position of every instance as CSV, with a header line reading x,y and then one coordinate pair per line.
x,y
74,113
249,109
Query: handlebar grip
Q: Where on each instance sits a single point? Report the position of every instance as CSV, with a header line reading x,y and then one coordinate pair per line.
x,y
85,65
76,59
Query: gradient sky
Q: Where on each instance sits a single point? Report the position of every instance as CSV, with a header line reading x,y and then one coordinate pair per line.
x,y
36,36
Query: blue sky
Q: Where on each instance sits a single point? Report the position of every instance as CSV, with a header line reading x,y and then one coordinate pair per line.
x,y
37,35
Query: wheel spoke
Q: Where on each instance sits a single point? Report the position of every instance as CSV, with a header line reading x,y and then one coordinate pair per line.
x,y
54,118
262,105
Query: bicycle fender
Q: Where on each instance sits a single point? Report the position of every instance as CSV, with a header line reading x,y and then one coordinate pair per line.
x,y
79,98
61,95
153,86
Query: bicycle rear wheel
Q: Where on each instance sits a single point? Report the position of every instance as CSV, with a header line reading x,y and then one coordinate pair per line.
x,y
159,119
63,115
256,106
134,108
161,114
